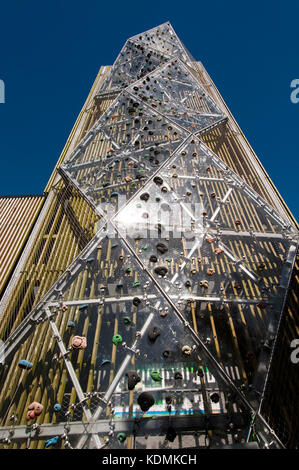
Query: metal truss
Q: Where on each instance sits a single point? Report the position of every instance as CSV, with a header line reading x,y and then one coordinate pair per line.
x,y
221,281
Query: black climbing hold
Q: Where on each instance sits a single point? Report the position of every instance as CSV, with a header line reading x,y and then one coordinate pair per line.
x,y
153,259
136,301
145,197
178,376
214,397
161,270
166,353
153,334
145,401
200,373
171,434
158,180
162,248
133,379
187,284
168,399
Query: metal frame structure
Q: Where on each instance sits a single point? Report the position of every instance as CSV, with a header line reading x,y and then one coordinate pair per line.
x,y
170,127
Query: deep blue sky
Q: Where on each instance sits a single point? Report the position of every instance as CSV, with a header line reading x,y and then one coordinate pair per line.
x,y
50,53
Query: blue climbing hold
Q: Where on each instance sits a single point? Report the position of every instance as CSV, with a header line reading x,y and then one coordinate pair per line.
x,y
83,307
23,364
71,324
114,194
57,407
105,361
52,442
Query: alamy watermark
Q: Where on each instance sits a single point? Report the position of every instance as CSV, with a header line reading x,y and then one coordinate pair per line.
x,y
2,92
295,354
295,92
2,354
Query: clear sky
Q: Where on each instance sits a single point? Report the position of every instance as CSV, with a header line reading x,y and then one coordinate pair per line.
x,y
50,53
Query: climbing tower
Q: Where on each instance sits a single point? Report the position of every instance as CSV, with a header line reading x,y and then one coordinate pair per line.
x,y
147,306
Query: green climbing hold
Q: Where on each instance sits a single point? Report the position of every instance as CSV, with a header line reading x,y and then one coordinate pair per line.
x,y
168,260
144,247
156,376
127,320
128,270
116,339
136,284
121,436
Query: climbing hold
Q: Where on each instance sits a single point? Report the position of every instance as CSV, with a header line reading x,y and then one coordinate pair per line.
x,y
128,179
114,194
158,180
71,324
121,436
119,285
209,239
153,334
79,342
204,284
187,284
83,307
127,320
133,379
161,248
57,407
145,197
237,222
186,350
213,194
178,375
136,283
156,376
51,442
210,271
168,399
64,308
200,372
34,409
145,401
128,270
117,339
23,364
161,270
105,361
136,301
214,397
218,251
153,258
171,434
166,353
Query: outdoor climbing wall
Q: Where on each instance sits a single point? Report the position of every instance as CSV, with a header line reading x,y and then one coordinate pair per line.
x,y
166,320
